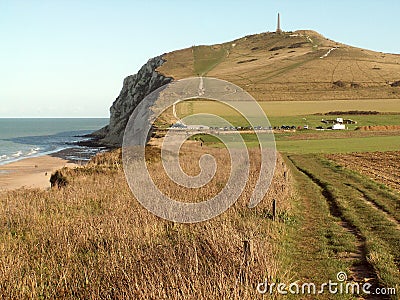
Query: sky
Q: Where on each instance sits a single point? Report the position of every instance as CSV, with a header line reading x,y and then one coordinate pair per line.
x,y
69,58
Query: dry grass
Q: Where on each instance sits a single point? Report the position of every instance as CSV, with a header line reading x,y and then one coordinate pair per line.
x,y
93,240
294,71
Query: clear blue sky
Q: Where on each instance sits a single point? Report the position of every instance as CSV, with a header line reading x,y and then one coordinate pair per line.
x,y
68,58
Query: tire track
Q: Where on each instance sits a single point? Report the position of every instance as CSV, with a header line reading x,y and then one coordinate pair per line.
x,y
368,200
361,269
334,69
366,74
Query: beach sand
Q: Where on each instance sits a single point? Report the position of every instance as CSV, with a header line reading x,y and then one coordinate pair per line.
x,y
32,172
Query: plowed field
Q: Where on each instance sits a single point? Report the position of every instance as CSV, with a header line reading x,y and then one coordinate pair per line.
x,y
383,167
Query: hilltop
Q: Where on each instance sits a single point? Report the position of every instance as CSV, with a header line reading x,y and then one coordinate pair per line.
x,y
291,66
300,65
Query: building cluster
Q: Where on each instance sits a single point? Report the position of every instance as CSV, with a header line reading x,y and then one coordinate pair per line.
x,y
334,124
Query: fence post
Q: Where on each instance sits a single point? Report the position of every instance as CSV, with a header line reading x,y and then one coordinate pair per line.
x,y
274,210
247,252
247,259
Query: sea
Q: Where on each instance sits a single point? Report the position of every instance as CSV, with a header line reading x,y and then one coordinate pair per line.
x,y
30,137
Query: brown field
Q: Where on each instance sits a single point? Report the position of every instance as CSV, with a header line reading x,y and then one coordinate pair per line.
x,y
293,108
380,128
380,166
93,240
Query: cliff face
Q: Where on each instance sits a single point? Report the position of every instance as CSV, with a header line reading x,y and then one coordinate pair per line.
x,y
134,90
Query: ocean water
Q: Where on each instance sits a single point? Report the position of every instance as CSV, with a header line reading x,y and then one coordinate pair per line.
x,y
22,138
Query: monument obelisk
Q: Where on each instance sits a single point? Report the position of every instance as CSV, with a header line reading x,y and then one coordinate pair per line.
x,y
278,27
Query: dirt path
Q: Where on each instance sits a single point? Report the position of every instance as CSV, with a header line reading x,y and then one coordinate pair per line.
x,y
361,269
329,51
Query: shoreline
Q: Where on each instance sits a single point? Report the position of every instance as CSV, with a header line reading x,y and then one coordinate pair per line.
x,y
35,172
78,152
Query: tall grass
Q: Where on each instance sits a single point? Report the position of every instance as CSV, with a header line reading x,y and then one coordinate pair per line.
x,y
93,240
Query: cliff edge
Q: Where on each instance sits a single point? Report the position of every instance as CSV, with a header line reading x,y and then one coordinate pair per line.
x,y
135,88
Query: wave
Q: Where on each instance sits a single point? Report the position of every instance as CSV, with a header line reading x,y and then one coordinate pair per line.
x,y
20,154
17,154
37,137
33,151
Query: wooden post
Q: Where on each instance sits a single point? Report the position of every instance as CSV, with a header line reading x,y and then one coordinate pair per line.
x,y
247,259
247,252
274,210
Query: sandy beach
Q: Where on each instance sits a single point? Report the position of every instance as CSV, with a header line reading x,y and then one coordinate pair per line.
x,y
32,172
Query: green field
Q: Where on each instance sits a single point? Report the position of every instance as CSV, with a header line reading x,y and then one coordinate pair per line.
x,y
326,145
365,144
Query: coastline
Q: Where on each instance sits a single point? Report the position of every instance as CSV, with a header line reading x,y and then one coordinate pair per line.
x,y
35,171
31,172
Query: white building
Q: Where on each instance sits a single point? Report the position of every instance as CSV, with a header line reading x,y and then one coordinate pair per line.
x,y
338,126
